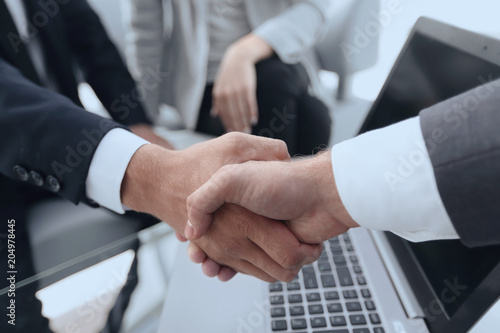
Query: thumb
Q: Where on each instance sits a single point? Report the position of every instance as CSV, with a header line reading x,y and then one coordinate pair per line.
x,y
219,189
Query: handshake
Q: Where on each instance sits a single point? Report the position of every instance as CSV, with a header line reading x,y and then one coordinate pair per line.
x,y
243,204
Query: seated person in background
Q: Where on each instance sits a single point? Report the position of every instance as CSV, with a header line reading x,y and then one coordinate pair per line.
x,y
235,65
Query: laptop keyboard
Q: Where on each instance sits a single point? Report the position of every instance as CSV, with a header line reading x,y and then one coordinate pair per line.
x,y
328,296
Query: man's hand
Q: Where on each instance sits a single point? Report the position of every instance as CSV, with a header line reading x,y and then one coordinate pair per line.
x,y
147,132
158,181
234,92
301,193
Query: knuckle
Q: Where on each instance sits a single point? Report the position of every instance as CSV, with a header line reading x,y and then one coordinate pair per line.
x,y
289,275
291,260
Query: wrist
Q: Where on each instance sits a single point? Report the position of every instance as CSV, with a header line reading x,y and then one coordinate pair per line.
x,y
250,48
327,198
149,184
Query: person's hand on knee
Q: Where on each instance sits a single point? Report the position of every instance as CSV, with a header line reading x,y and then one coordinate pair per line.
x,y
235,87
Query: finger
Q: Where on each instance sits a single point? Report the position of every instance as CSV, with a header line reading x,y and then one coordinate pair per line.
x,y
251,101
180,237
207,199
226,273
247,268
229,114
210,268
260,259
244,113
257,148
282,246
196,254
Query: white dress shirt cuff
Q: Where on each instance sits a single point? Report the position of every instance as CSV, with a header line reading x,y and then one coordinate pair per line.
x,y
108,166
386,181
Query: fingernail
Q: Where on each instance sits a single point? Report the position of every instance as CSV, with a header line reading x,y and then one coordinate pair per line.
x,y
254,121
248,130
189,230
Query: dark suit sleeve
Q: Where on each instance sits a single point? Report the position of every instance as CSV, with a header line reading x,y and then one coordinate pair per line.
x,y
46,133
101,64
463,140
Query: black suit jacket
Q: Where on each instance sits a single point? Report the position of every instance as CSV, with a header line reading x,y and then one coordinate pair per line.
x,y
46,135
463,140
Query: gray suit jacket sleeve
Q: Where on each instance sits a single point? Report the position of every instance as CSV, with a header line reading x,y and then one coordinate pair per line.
x,y
462,137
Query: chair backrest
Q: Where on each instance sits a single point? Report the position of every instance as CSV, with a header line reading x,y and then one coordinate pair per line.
x,y
352,39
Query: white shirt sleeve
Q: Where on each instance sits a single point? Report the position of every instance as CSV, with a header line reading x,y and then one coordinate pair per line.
x,y
386,181
108,166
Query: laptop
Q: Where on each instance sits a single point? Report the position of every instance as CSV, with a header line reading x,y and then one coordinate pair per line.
x,y
366,281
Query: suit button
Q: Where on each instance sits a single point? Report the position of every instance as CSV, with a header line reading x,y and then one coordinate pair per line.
x,y
53,183
20,173
36,178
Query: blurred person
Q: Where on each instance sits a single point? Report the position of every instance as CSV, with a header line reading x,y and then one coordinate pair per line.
x,y
235,65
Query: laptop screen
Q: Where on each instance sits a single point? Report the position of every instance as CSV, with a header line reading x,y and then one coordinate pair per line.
x,y
439,62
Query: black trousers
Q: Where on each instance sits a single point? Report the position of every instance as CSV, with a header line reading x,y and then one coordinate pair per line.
x,y
286,110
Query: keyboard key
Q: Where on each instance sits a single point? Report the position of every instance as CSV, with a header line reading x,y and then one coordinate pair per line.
x,y
279,325
318,322
324,267
339,260
299,323
327,280
361,280
278,312
353,306
344,276
366,293
274,287
361,330
310,281
353,259
346,238
293,286
357,319
277,300
330,295
297,310
333,331
349,294
370,305
295,298
374,318
349,247
357,269
334,307
336,248
324,256
313,297
338,321
334,240
315,309
378,330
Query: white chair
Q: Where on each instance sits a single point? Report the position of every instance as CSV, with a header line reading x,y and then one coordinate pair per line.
x,y
351,43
